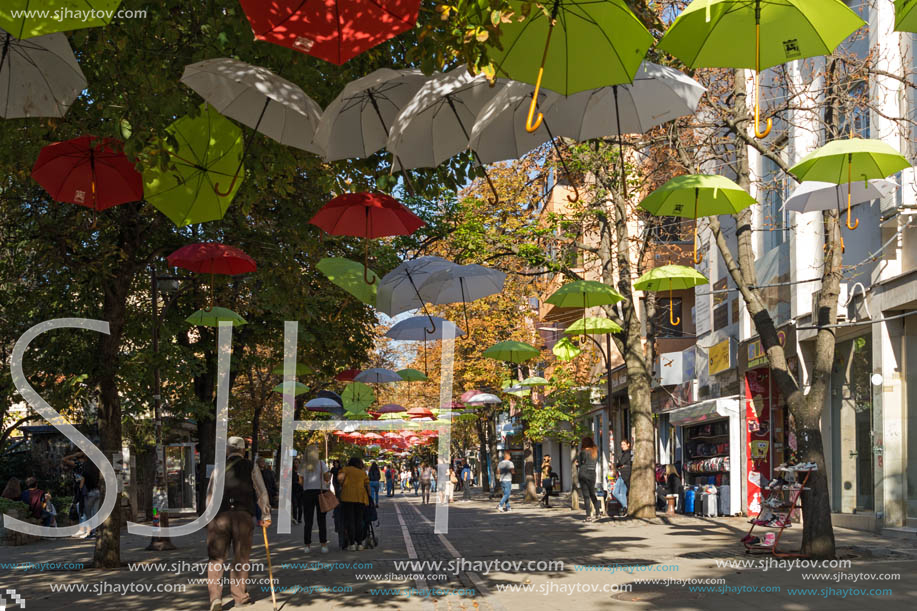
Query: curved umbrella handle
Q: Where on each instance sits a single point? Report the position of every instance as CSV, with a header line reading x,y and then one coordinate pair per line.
x,y
366,277
770,123
850,212
216,186
673,321
530,124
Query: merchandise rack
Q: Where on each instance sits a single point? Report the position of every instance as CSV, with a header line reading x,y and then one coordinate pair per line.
x,y
783,514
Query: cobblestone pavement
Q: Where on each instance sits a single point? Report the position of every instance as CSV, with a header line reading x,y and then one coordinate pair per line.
x,y
480,558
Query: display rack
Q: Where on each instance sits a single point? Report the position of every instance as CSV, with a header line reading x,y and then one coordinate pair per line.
x,y
780,512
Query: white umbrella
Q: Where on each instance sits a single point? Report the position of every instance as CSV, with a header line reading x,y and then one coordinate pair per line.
x,y
397,291
357,122
484,398
378,375
462,283
257,98
324,404
416,329
39,77
812,195
437,123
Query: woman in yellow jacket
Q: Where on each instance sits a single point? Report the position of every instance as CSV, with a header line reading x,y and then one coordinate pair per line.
x,y
354,499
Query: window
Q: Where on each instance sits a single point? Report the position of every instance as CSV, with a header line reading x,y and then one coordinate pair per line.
x,y
774,220
664,326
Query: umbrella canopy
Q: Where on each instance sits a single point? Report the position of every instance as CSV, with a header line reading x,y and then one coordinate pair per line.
x,y
592,325
348,275
378,375
581,31
516,391
844,161
416,328
325,405
757,34
511,351
437,122
905,16
333,30
212,258
695,195
347,375
213,316
566,350
301,369
89,171
357,122
209,151
391,408
485,398
419,412
357,397
468,394
461,284
412,375
398,289
670,278
38,77
812,196
584,294
330,394
29,18
298,389
534,381
257,98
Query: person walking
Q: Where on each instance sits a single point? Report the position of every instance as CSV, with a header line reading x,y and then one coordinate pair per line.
x,y
87,493
466,482
315,477
586,462
375,482
426,481
354,499
415,480
297,492
450,485
547,484
270,482
405,476
243,488
623,467
505,471
389,480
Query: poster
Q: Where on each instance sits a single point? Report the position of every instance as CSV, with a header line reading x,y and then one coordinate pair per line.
x,y
758,435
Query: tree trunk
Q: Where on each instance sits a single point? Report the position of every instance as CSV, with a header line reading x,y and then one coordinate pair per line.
x,y
492,449
531,494
256,411
574,479
482,438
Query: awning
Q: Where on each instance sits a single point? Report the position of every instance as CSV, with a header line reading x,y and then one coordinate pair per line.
x,y
702,411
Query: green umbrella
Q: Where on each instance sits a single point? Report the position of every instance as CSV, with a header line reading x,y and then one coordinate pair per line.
x,y
412,375
587,30
905,16
299,388
670,278
841,161
29,18
511,351
209,150
584,294
728,34
710,194
301,369
213,316
357,397
592,325
511,387
534,381
348,275
566,350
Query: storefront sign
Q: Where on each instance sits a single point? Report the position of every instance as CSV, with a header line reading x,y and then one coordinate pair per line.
x,y
753,355
720,357
664,400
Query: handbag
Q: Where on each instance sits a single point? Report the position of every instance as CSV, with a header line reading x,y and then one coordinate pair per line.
x,y
327,501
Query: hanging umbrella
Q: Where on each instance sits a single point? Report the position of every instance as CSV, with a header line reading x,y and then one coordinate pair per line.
x,y
357,397
583,31
212,258
330,394
511,351
391,408
905,16
695,195
584,294
89,171
209,151
516,391
398,289
437,123
670,278
592,325
347,375
368,216
258,98
419,412
357,122
757,34
38,77
534,381
333,30
468,394
378,375
301,370
412,375
213,316
657,95
485,398
298,389
322,404
348,275
566,350
30,18
812,196
843,161
462,283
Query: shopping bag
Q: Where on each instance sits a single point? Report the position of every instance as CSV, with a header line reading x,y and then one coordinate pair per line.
x,y
327,501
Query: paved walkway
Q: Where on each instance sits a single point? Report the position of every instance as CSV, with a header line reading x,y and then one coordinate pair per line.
x,y
682,548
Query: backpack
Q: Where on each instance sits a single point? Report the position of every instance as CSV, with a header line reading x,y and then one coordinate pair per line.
x,y
238,489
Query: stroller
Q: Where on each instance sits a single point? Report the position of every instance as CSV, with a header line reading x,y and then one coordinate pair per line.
x,y
370,515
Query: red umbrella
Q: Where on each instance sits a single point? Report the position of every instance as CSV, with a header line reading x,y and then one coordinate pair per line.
x,y
212,258
419,412
347,375
366,215
391,408
468,394
333,30
89,171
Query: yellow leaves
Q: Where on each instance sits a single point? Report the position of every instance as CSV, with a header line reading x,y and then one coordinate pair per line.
x,y
444,10
482,35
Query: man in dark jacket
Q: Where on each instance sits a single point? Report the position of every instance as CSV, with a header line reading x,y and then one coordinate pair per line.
x,y
242,490
270,482
624,464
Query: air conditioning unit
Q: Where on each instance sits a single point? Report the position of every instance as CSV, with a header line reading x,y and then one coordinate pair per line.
x,y
841,303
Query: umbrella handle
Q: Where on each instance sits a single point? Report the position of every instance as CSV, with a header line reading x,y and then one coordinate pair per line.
x,y
697,259
216,185
672,320
770,123
849,205
531,121
366,277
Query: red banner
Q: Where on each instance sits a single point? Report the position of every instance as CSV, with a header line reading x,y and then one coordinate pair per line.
x,y
758,434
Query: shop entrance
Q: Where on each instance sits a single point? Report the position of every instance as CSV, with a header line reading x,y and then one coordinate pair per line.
x,y
853,481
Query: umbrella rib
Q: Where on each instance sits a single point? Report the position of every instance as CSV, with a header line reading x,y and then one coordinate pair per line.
x,y
510,48
588,19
